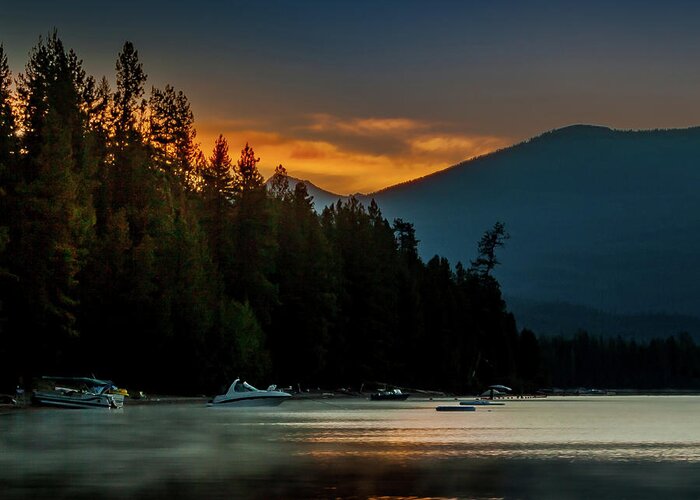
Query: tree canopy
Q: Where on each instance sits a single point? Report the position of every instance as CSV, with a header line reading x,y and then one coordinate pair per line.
x,y
128,253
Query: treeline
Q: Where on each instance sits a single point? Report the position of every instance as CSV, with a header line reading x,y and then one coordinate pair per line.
x,y
605,363
127,253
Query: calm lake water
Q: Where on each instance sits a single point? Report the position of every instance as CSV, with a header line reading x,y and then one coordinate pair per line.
x,y
578,447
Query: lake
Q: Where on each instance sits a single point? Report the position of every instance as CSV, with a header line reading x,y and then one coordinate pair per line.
x,y
575,447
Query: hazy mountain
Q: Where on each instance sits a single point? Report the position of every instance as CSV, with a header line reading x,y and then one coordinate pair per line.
x,y
322,198
561,318
600,218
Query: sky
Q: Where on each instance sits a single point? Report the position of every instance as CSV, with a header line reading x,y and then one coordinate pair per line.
x,y
359,95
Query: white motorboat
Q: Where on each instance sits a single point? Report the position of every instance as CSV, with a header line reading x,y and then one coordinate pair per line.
x,y
389,395
77,392
244,394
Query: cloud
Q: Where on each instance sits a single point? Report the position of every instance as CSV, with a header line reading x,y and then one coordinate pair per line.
x,y
350,155
321,122
471,145
303,150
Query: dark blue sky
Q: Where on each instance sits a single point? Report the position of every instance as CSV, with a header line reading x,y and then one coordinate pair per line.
x,y
357,95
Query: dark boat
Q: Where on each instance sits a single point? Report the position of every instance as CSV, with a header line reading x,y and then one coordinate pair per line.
x,y
389,395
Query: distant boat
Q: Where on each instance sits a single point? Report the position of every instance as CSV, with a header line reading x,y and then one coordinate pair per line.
x,y
496,390
244,394
480,402
77,392
455,408
389,395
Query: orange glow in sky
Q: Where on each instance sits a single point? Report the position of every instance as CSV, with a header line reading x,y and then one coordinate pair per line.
x,y
358,96
331,152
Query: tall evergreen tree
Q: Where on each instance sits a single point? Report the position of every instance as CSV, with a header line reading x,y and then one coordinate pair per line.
x,y
8,148
218,191
248,178
489,243
254,239
172,133
55,217
8,157
279,184
8,137
128,97
300,331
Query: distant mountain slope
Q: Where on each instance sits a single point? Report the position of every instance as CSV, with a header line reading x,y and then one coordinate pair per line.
x,y
552,319
603,218
322,198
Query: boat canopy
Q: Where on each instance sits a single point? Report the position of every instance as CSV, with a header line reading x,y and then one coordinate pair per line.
x,y
91,382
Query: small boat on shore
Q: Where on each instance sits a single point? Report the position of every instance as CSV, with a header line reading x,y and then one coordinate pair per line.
x,y
244,394
455,408
480,402
77,392
389,395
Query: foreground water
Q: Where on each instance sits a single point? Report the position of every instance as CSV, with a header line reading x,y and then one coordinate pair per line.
x,y
604,447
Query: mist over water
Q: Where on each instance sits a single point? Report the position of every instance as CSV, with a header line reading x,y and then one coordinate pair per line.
x,y
608,447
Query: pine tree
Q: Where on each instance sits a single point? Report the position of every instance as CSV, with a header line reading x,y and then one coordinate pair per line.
x,y
248,178
8,157
254,239
8,150
279,184
127,99
490,241
306,298
218,191
8,137
172,133
54,211
406,239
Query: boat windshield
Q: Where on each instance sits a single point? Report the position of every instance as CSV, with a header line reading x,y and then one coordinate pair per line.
x,y
244,387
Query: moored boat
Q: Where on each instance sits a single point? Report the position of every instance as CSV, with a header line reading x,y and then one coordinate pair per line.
x,y
455,408
389,395
242,394
480,402
77,392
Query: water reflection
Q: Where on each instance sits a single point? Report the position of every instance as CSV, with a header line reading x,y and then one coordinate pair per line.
x,y
607,447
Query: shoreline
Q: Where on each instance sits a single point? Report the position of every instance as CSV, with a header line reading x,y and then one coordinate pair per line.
x,y
164,400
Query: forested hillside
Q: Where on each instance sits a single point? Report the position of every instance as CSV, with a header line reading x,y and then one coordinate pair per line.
x,y
130,252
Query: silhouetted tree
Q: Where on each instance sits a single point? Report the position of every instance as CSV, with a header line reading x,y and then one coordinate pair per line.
x,y
127,99
218,192
53,216
490,241
279,183
172,133
247,178
253,239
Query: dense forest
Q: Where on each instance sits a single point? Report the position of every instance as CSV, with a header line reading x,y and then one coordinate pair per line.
x,y
129,253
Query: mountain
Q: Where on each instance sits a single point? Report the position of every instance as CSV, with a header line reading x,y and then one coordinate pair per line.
x,y
560,318
321,197
599,218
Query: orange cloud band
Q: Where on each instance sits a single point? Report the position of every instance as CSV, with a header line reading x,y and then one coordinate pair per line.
x,y
346,170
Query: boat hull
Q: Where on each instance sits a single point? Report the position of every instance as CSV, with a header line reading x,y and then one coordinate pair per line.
x,y
250,401
82,401
481,402
389,397
455,408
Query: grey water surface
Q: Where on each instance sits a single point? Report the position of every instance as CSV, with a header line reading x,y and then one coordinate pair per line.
x,y
576,447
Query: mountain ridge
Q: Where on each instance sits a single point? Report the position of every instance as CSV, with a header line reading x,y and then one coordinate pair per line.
x,y
599,217
578,128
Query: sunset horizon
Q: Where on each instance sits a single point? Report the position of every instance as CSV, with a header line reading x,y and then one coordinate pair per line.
x,y
305,86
